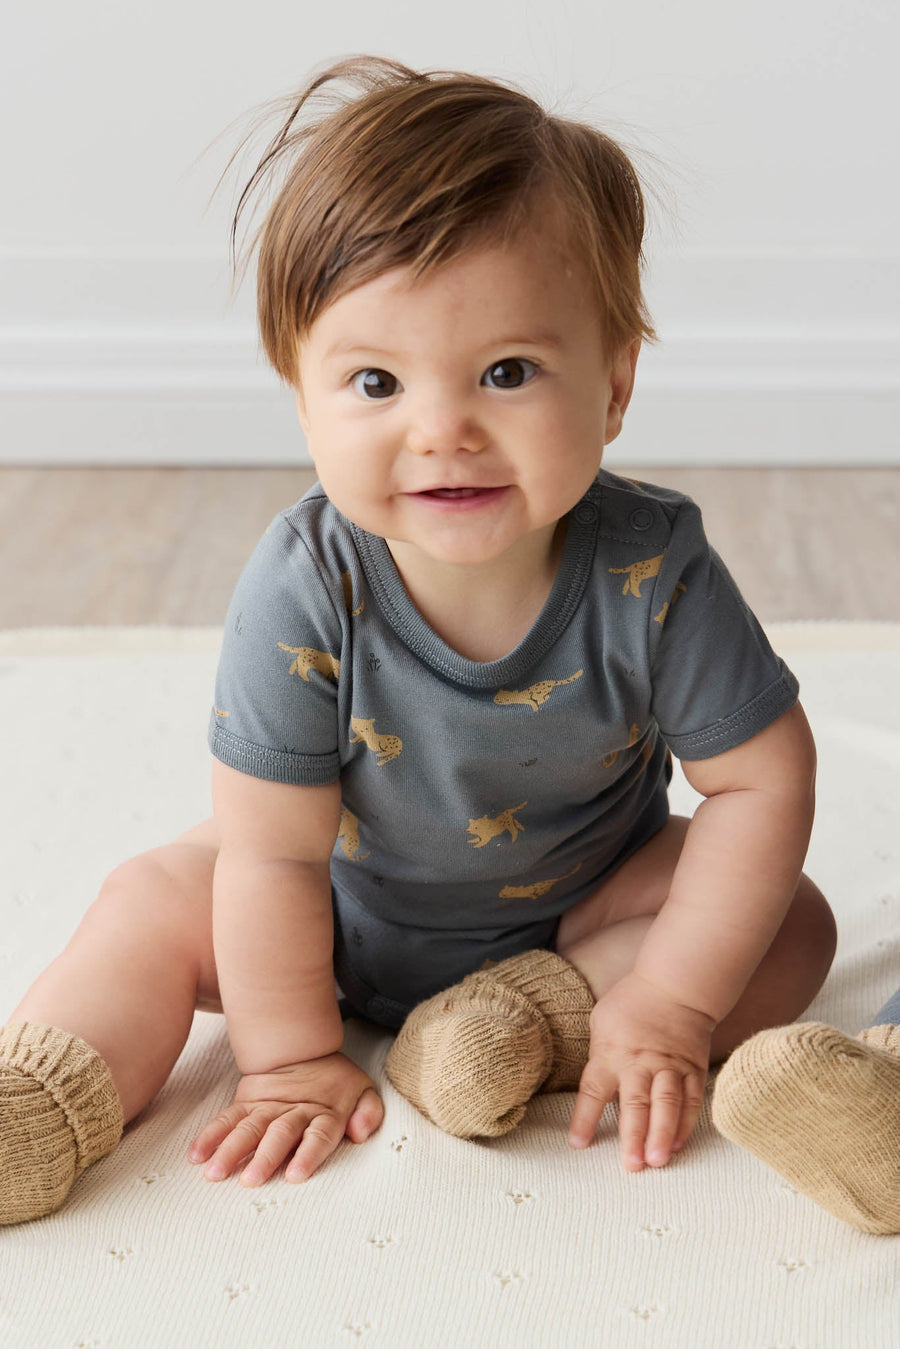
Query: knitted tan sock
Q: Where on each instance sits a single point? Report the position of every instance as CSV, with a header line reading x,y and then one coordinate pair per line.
x,y
823,1110
472,1057
59,1112
557,989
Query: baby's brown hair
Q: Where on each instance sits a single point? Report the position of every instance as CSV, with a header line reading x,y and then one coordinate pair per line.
x,y
414,169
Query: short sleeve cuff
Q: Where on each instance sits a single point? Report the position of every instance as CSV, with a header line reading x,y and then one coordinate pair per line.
x,y
274,765
729,732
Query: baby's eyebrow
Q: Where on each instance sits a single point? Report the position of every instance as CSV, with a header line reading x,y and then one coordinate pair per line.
x,y
541,338
347,348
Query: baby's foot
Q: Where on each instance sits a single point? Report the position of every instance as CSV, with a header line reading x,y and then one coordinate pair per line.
x,y
472,1057
59,1112
823,1110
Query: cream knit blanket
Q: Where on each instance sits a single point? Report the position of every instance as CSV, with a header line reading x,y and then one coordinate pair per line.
x,y
415,1239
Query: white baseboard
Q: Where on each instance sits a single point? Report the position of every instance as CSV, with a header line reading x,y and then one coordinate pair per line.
x,y
128,360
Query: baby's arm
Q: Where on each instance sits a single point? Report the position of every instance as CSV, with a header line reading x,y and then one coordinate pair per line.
x,y
273,936
738,869
273,929
730,892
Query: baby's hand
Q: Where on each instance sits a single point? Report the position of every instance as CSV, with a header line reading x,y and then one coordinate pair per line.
x,y
654,1053
313,1104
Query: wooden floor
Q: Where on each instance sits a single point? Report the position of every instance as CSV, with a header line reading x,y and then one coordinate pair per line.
x,y
146,546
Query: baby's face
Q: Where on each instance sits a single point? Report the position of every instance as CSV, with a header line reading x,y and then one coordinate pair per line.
x,y
462,416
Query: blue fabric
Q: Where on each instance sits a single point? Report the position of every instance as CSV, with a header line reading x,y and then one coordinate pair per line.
x,y
890,1012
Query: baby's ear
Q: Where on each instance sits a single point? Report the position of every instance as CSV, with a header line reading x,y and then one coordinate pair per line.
x,y
621,386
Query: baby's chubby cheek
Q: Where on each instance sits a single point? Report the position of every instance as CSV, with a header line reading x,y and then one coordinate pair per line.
x,y
364,506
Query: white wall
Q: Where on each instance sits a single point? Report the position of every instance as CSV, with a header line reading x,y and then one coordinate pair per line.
x,y
768,126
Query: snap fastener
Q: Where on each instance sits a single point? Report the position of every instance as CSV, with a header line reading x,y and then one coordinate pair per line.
x,y
641,519
585,513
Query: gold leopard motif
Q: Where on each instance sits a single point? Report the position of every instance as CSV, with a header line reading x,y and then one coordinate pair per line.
x,y
310,659
347,587
349,835
633,737
679,590
487,828
638,572
538,890
385,746
536,695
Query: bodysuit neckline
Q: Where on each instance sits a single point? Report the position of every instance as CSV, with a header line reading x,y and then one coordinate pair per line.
x,y
421,639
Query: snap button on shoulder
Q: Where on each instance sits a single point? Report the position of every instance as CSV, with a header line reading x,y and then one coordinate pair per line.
x,y
641,519
585,512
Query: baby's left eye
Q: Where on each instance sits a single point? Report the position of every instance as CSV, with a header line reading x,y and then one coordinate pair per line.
x,y
510,373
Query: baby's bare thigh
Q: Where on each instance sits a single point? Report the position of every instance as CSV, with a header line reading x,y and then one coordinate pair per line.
x,y
638,889
189,861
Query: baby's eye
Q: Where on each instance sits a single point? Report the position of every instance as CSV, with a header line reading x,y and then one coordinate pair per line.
x,y
510,373
374,384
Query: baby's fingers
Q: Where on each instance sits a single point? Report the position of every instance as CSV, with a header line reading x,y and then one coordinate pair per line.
x,y
366,1117
634,1116
675,1103
278,1141
667,1107
596,1089
210,1137
321,1138
244,1138
690,1110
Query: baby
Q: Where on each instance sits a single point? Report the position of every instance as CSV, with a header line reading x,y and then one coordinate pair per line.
x,y
451,682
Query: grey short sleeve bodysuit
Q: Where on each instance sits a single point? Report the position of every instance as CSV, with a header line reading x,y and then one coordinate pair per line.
x,y
481,800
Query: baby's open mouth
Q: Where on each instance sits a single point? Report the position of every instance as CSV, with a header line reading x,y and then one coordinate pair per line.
x,y
459,498
451,492
460,493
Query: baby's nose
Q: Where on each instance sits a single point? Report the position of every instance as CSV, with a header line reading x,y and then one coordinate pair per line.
x,y
445,434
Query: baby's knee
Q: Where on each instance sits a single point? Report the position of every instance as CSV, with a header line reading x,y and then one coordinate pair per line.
x,y
162,897
179,873
142,888
816,928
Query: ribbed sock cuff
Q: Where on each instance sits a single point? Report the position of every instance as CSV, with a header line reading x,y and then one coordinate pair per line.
x,y
77,1079
563,996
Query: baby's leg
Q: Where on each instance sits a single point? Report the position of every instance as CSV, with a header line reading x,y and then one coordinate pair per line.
x,y
824,1111
96,1036
601,937
523,1026
472,1057
137,966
